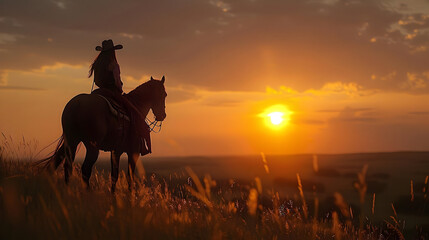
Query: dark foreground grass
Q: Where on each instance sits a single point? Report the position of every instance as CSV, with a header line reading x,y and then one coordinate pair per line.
x,y
38,205
181,205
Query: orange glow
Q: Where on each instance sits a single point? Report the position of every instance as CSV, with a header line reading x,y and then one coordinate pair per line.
x,y
276,116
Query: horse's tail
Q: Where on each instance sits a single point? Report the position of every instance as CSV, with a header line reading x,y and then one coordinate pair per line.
x,y
53,161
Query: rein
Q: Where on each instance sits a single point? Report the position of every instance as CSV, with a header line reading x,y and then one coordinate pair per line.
x,y
154,126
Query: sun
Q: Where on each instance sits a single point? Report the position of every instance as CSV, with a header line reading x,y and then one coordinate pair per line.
x,y
276,116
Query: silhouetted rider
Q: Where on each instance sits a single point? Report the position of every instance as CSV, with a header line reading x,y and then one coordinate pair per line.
x,y
107,76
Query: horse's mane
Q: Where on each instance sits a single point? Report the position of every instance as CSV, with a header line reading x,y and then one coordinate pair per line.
x,y
140,93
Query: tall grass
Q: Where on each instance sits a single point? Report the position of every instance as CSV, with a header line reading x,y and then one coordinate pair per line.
x,y
187,206
17,150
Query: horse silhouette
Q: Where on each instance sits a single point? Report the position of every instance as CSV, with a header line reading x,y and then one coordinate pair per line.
x,y
88,118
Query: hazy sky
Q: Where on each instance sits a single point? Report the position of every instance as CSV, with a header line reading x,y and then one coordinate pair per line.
x,y
355,74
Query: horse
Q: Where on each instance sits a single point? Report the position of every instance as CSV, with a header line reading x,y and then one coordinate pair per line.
x,y
88,118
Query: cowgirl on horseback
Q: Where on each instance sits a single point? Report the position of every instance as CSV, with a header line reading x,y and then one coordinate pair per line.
x,y
107,76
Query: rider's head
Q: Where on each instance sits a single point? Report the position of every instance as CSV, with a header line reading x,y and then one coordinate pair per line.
x,y
106,56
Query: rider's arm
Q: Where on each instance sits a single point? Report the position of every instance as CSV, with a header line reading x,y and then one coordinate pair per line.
x,y
117,76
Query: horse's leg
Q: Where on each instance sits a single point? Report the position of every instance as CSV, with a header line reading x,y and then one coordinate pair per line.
x,y
90,158
70,153
114,163
133,157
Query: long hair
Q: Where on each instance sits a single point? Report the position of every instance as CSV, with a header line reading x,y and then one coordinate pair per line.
x,y
102,61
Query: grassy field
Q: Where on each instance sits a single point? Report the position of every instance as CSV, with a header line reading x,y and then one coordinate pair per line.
x,y
352,196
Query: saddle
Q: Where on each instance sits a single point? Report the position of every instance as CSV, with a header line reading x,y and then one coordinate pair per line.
x,y
115,107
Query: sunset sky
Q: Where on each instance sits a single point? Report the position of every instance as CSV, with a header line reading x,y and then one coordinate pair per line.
x,y
353,74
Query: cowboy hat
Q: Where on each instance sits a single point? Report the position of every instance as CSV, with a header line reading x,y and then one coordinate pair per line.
x,y
108,45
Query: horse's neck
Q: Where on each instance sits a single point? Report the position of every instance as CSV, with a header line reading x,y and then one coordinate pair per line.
x,y
143,106
144,109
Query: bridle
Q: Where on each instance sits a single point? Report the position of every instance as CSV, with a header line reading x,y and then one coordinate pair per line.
x,y
154,126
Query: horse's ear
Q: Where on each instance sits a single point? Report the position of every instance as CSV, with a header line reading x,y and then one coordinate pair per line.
x,y
151,78
163,79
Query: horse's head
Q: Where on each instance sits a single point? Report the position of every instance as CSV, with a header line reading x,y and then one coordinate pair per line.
x,y
158,98
150,95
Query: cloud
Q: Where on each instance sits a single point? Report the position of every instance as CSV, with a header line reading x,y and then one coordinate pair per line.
x,y
8,38
351,89
229,98
20,88
415,81
388,77
346,110
419,113
59,76
3,78
356,115
222,102
60,4
239,46
338,88
56,66
181,94
283,90
131,36
307,121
